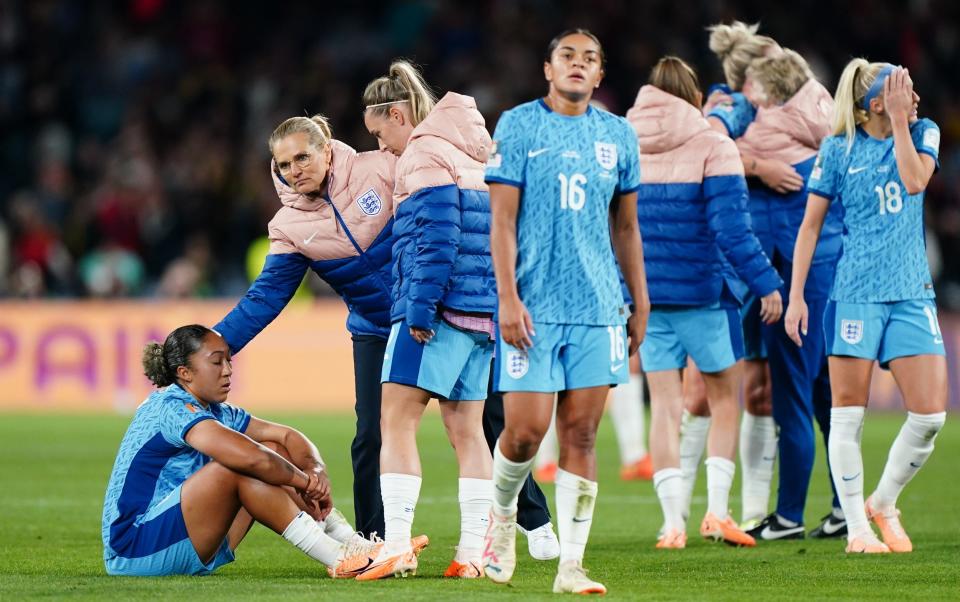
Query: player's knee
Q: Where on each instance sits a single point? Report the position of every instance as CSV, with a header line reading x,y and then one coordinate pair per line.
x,y
580,438
522,442
756,398
926,427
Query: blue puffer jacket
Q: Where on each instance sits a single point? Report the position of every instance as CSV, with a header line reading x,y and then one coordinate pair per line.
x,y
792,133
345,236
442,252
692,208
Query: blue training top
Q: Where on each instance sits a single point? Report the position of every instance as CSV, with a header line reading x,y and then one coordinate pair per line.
x,y
569,169
884,250
154,459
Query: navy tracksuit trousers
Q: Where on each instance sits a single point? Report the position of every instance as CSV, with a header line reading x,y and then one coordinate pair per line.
x,y
801,391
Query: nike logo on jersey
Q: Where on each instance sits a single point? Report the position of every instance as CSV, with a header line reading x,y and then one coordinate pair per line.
x,y
850,478
306,241
534,153
616,367
854,170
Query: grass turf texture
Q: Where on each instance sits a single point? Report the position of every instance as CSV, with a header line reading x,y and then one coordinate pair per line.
x,y
53,471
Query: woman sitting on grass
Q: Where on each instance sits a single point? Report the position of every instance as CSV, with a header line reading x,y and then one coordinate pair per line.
x,y
194,472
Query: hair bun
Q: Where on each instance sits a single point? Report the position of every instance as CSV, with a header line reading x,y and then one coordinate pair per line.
x,y
725,38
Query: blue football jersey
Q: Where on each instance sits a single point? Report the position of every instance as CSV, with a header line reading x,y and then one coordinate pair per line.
x,y
569,168
154,458
884,252
737,116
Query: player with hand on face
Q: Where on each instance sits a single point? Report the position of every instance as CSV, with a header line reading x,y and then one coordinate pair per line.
x,y
563,183
877,166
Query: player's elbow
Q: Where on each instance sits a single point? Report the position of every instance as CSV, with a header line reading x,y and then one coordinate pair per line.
x,y
914,185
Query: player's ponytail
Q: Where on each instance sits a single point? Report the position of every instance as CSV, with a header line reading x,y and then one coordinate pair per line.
x,y
856,79
403,83
160,362
737,45
317,128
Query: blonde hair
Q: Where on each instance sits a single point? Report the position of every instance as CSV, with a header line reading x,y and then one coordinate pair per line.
x,y
674,76
403,83
737,45
855,81
780,77
317,128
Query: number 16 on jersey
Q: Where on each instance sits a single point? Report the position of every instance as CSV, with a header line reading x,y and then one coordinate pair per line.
x,y
572,195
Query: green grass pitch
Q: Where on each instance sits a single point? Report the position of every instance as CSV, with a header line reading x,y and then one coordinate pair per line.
x,y
53,471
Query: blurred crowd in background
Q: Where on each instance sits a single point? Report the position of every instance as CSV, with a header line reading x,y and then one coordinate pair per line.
x,y
133,157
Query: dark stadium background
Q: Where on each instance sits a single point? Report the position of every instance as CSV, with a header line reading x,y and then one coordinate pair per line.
x,y
132,133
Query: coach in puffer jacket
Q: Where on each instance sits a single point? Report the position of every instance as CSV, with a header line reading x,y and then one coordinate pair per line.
x,y
345,236
440,183
692,208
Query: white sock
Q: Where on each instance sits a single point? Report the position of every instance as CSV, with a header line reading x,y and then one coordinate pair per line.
x,y
308,536
550,447
508,478
846,466
668,483
576,498
400,493
720,473
337,527
693,441
908,453
476,496
626,411
758,451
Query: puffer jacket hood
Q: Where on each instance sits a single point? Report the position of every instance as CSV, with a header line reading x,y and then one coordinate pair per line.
x,y
791,132
456,119
663,121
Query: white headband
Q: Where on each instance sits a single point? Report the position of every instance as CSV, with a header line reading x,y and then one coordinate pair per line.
x,y
391,102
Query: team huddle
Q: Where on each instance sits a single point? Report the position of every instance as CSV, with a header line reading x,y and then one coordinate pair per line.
x,y
768,237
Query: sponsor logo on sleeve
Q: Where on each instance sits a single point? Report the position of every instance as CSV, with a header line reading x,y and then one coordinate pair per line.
x,y
494,160
931,139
